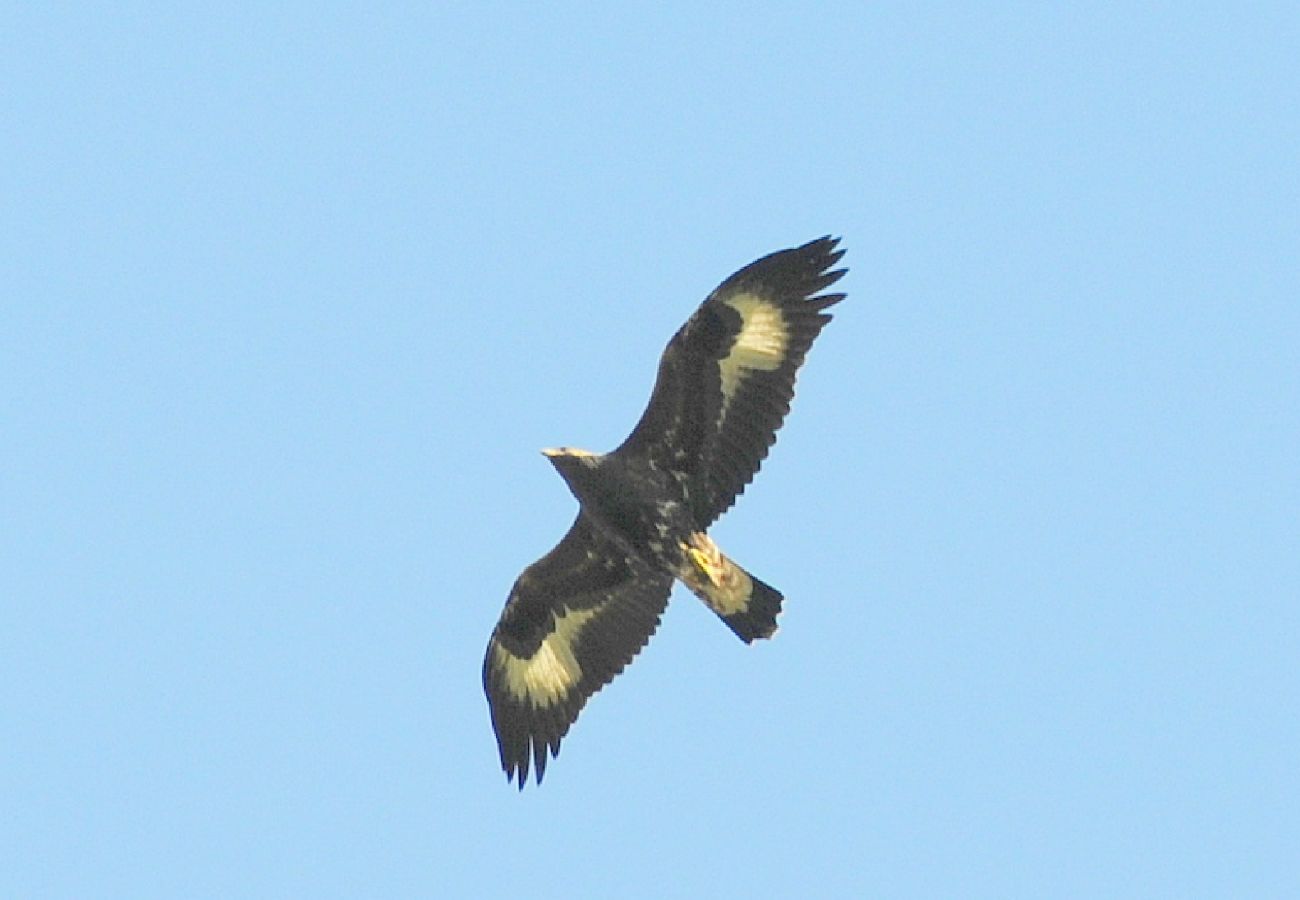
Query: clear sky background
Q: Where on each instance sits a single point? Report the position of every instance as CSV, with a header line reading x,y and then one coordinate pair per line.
x,y
291,297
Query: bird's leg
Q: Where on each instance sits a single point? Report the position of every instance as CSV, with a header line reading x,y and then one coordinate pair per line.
x,y
724,587
707,557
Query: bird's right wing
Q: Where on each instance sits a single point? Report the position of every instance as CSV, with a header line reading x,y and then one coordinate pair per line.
x,y
574,619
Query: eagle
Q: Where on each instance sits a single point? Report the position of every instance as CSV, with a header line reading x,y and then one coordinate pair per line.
x,y
576,617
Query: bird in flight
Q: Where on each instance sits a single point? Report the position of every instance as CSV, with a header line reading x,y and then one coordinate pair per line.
x,y
579,614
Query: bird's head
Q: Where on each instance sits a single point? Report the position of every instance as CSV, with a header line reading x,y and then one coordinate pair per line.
x,y
568,453
570,461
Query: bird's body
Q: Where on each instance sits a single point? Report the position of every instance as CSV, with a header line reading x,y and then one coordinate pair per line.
x,y
578,615
639,507
646,512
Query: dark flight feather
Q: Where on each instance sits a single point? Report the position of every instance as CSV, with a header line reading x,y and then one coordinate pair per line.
x,y
576,617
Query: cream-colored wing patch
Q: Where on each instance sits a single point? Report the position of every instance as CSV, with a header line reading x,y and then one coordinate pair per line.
x,y
761,344
552,672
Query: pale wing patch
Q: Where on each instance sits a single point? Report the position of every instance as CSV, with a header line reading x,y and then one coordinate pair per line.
x,y
761,344
552,672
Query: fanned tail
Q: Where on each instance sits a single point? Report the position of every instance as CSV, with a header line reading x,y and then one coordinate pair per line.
x,y
748,606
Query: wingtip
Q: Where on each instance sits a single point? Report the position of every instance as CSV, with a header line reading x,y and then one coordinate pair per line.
x,y
530,760
517,773
824,252
827,244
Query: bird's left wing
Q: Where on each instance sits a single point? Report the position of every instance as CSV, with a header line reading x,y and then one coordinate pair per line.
x,y
574,619
727,376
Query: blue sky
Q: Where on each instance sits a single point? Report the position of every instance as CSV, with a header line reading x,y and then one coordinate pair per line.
x,y
293,296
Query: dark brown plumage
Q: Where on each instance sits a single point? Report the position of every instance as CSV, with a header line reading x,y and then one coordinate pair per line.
x,y
579,614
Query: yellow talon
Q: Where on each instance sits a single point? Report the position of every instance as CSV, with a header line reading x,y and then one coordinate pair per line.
x,y
701,559
706,563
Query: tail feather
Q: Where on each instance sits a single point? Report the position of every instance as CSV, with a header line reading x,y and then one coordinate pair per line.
x,y
747,605
758,618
